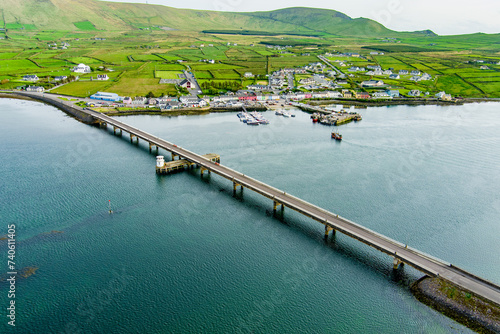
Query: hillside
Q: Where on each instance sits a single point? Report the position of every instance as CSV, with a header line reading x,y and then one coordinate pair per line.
x,y
72,15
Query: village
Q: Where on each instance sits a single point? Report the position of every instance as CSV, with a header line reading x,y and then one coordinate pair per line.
x,y
333,77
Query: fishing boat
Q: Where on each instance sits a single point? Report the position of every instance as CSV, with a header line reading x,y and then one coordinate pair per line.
x,y
336,136
278,113
286,114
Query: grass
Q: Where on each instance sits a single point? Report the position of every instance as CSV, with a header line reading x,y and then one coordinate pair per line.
x,y
168,74
141,87
82,88
84,25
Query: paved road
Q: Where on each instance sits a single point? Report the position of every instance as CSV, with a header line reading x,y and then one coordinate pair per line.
x,y
417,259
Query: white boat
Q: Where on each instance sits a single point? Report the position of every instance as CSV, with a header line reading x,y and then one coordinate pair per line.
x,y
286,114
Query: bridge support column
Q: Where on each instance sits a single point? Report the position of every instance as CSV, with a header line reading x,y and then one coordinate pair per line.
x,y
203,169
174,155
396,263
103,124
235,187
151,146
276,204
117,130
132,139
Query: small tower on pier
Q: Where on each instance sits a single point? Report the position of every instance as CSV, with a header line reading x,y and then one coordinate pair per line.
x,y
160,161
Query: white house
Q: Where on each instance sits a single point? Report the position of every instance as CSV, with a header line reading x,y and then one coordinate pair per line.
x,y
81,68
414,93
248,75
394,76
102,77
37,89
30,77
372,83
403,72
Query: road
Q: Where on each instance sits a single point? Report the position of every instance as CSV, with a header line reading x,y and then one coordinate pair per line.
x,y
415,258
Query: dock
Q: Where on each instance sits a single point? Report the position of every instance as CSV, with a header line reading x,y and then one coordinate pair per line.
x,y
173,166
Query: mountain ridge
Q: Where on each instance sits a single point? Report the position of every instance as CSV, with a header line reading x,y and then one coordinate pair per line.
x,y
113,16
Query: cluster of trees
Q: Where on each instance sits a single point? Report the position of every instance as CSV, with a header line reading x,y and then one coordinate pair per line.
x,y
214,87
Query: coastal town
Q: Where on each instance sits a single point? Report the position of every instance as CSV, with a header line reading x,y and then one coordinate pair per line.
x,y
332,77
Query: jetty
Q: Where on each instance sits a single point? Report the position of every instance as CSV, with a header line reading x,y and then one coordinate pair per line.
x,y
333,223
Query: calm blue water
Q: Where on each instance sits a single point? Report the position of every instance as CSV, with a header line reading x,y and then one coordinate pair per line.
x,y
181,254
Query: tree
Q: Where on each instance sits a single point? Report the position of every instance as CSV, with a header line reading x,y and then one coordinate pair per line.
x,y
150,95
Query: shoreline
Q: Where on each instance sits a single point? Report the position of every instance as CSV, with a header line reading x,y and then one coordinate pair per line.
x,y
458,304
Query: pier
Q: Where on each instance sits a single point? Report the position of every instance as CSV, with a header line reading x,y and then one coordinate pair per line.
x,y
399,253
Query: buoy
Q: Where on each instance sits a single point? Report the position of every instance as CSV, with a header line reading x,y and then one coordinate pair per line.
x,y
109,203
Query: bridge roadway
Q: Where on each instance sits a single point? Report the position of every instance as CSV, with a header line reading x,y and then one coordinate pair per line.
x,y
415,258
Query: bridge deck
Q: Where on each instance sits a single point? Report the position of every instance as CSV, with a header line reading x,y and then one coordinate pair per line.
x,y
415,258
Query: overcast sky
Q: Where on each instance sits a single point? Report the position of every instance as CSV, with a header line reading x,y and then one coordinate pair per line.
x,y
444,17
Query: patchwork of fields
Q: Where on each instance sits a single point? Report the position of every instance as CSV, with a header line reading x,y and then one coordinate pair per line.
x,y
137,61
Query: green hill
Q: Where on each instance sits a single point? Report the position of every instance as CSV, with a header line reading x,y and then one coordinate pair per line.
x,y
71,15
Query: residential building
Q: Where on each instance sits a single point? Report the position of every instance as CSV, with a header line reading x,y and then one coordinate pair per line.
x,y
186,84
106,96
37,89
31,77
346,93
248,75
393,93
394,76
372,83
381,95
414,93
362,95
415,72
81,68
403,72
102,77
60,78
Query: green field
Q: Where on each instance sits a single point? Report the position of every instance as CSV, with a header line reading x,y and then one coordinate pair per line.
x,y
168,74
84,25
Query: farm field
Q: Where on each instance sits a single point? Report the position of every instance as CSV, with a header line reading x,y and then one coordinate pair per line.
x,y
136,61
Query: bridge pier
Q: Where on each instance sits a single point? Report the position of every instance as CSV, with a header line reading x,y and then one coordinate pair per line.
x,y
132,139
151,146
175,155
103,125
275,206
397,263
117,130
327,231
203,169
235,186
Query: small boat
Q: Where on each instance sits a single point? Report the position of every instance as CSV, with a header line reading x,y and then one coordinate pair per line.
x,y
336,136
279,113
252,122
286,114
293,115
315,120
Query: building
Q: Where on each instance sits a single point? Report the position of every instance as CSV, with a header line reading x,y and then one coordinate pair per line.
x,y
362,95
393,93
346,93
381,95
248,75
394,76
127,100
102,77
186,84
37,89
257,87
106,96
414,93
372,83
81,68
31,77
60,78
443,96
415,72
403,72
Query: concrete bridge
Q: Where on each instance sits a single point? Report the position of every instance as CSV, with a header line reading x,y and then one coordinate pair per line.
x,y
400,253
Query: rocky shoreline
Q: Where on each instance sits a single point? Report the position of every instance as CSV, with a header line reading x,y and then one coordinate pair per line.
x,y
460,305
